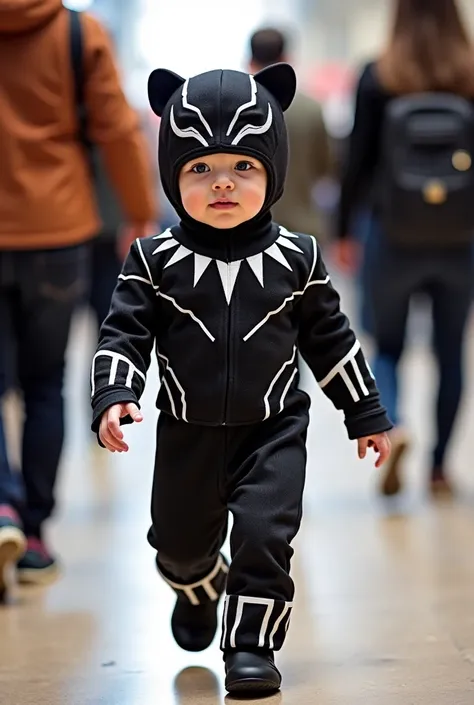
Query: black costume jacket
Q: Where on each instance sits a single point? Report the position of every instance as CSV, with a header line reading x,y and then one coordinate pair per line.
x,y
227,330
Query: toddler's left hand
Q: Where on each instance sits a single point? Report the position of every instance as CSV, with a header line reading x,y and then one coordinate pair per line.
x,y
380,442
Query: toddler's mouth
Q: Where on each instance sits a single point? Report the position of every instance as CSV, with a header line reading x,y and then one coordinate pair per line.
x,y
223,204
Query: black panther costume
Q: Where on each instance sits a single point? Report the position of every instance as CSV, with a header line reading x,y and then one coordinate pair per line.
x,y
227,312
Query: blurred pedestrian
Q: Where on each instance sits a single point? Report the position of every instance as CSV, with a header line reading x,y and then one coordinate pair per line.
x,y
310,154
48,217
413,142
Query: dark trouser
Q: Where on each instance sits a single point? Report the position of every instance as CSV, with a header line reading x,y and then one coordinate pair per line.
x,y
38,293
391,275
105,268
257,472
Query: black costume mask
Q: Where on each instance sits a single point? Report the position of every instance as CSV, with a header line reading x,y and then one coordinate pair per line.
x,y
223,111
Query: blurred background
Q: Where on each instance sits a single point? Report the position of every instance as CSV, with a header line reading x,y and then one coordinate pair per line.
x,y
330,38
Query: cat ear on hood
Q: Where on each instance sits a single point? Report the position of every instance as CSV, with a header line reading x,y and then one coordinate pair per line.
x,y
161,86
280,81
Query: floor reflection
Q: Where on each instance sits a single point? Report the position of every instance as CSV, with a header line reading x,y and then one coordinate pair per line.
x,y
197,684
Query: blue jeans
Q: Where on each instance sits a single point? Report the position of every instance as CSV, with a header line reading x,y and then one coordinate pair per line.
x,y
105,268
360,229
38,294
390,276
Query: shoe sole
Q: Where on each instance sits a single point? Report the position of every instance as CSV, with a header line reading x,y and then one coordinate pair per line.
x,y
255,685
392,485
12,548
45,576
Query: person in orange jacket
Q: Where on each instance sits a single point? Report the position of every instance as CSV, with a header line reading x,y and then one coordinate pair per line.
x,y
48,218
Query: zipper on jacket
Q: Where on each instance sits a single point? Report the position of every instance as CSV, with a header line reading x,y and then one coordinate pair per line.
x,y
228,344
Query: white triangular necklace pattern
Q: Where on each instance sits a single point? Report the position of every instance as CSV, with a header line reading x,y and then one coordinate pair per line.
x,y
229,271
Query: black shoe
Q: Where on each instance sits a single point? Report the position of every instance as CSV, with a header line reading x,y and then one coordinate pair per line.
x,y
194,626
37,567
251,672
12,547
194,619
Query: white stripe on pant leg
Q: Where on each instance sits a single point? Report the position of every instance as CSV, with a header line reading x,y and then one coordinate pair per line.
x,y
220,565
204,583
191,595
238,617
211,593
350,386
266,619
207,582
241,601
286,609
224,620
360,379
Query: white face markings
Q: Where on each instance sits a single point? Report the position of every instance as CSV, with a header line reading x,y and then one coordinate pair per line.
x,y
247,129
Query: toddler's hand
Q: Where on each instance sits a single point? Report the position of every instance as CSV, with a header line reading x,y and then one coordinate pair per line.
x,y
110,432
380,442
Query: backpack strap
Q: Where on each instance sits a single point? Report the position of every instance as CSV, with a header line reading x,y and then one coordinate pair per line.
x,y
107,204
77,63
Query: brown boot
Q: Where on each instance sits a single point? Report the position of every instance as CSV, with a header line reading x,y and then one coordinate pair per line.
x,y
440,487
391,483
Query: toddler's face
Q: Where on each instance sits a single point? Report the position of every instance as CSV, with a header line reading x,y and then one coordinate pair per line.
x,y
223,190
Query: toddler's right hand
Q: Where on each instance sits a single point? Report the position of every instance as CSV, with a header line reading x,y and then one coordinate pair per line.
x,y
110,432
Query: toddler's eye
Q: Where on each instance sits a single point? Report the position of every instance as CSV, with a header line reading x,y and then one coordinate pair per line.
x,y
243,166
200,168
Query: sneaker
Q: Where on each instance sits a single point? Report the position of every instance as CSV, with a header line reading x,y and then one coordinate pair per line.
x,y
12,546
391,483
37,567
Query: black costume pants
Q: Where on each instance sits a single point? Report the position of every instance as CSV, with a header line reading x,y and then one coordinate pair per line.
x,y
257,472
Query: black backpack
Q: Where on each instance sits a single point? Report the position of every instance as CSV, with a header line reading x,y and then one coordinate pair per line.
x,y
426,183
107,202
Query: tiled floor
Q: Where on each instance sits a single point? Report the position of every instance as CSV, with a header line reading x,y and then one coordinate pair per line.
x,y
385,592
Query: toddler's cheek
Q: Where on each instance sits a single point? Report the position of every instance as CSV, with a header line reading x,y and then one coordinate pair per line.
x,y
193,201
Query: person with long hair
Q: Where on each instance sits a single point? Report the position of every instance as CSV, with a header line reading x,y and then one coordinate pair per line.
x,y
430,54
